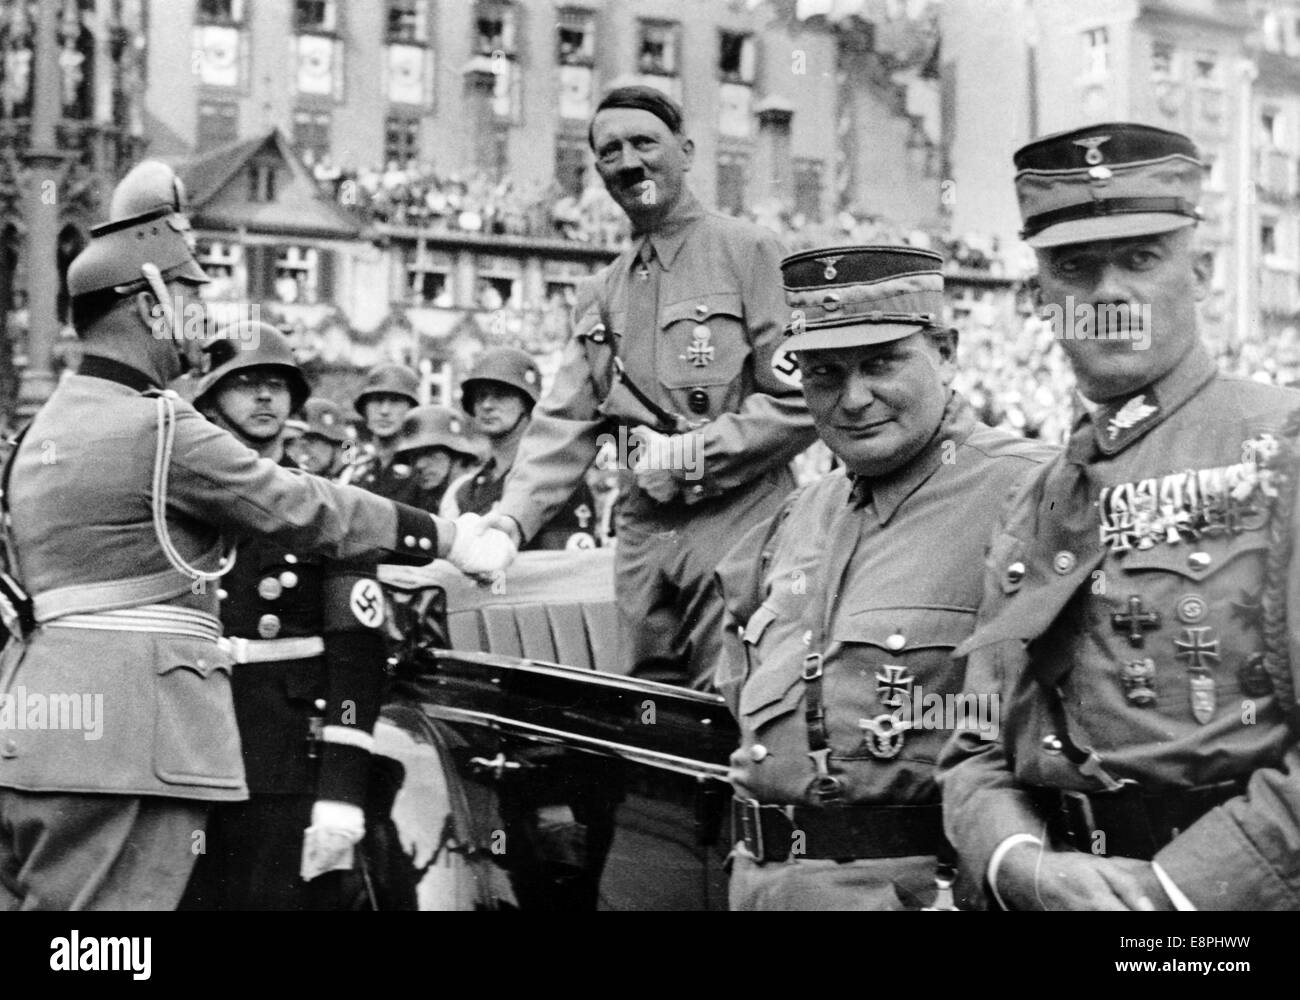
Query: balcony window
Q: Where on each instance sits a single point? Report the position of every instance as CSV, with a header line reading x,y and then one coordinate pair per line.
x,y
658,52
297,275
494,26
736,57
314,15
406,21
1096,53
576,38
220,12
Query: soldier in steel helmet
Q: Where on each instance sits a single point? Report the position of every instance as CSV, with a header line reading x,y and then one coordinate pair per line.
x,y
435,443
500,392
320,449
308,674
121,503
390,392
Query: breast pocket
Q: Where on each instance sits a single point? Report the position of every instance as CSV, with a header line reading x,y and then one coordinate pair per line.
x,y
701,353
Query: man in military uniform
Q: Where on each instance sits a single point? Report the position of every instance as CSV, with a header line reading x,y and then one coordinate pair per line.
x,y
500,393
320,449
671,349
116,501
1137,593
389,394
848,603
307,678
435,444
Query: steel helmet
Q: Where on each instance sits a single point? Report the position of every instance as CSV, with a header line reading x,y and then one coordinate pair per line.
x,y
325,420
506,365
395,380
145,227
435,426
249,344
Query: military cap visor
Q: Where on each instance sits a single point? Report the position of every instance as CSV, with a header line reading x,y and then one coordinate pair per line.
x,y
855,296
1116,180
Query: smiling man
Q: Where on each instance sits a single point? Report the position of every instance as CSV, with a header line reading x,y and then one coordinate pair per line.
x,y
1138,592
847,605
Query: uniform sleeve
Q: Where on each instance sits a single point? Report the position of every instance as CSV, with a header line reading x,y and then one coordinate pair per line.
x,y
772,425
215,479
450,507
740,582
355,655
1246,854
562,440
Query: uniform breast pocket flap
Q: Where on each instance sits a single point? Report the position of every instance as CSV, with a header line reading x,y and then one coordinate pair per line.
x,y
703,341
773,687
1197,560
906,629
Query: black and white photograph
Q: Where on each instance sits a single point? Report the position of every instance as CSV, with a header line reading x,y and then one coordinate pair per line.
x,y
580,456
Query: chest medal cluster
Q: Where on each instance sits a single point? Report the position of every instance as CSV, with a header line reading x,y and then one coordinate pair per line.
x,y
1186,507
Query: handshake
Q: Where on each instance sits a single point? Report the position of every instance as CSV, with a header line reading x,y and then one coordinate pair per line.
x,y
483,547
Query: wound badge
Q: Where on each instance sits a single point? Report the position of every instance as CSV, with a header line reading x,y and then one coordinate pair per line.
x,y
1253,679
883,735
1138,678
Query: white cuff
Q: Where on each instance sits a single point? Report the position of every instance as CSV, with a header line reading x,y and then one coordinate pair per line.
x,y
348,736
1176,897
995,862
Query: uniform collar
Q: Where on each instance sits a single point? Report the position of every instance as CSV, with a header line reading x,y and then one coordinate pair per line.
x,y
111,370
1121,422
667,238
887,493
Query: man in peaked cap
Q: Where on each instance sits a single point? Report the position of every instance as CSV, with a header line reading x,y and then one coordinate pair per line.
x,y
1138,590
308,676
670,358
389,394
116,502
500,393
319,450
844,608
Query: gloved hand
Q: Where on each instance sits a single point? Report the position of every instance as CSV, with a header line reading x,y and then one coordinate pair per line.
x,y
479,550
654,452
336,828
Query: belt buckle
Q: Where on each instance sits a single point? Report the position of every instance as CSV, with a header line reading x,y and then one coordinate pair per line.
x,y
1080,822
751,827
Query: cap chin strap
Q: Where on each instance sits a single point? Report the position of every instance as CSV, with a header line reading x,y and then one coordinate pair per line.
x,y
166,404
154,278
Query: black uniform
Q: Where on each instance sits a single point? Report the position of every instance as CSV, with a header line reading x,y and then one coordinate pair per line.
x,y
305,722
574,526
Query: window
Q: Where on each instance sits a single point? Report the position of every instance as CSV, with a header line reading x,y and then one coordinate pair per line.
x,y
319,66
406,21
733,171
657,54
297,275
576,38
311,135
1205,69
401,140
428,288
218,124
492,293
220,261
217,55
735,110
313,15
1270,128
1162,61
1096,53
263,176
808,189
735,57
494,25
1268,238
220,12
410,75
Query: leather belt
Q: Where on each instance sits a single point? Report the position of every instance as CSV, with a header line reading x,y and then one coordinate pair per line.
x,y
841,833
165,619
1127,823
272,650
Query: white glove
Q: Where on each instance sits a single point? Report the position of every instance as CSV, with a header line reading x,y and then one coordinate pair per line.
x,y
479,550
336,828
654,451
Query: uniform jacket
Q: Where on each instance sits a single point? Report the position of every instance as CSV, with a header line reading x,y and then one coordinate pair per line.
x,y
573,526
1140,560
395,481
719,279
887,572
80,501
274,592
